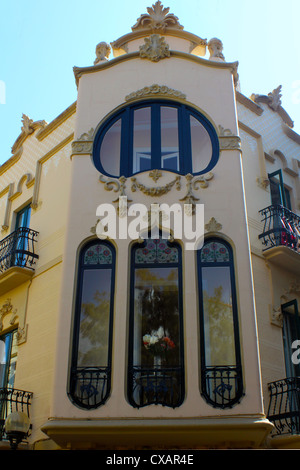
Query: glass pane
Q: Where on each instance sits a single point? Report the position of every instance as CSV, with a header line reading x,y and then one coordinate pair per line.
x,y
156,317
13,361
218,316
98,254
201,146
142,140
111,149
169,139
156,251
214,252
8,359
94,318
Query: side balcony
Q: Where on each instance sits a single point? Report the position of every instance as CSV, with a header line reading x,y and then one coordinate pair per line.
x,y
17,258
284,412
14,403
281,237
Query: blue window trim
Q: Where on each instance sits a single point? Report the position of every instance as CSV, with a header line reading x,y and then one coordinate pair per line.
x,y
130,378
206,372
184,137
89,376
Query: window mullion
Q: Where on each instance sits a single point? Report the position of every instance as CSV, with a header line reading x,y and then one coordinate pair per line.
x,y
155,137
126,143
184,135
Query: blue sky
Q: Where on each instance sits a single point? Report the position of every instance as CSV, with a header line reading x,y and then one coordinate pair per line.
x,y
41,42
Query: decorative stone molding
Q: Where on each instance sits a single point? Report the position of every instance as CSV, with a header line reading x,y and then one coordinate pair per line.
x,y
215,47
276,317
119,186
158,18
155,191
229,141
84,144
273,100
155,90
263,183
103,50
155,175
28,128
7,309
213,226
202,181
155,48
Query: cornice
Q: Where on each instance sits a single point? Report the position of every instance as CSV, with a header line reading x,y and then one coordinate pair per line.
x,y
273,100
79,71
56,122
122,42
291,133
248,103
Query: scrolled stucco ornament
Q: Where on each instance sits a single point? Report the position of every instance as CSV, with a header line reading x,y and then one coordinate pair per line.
x,y
157,18
155,48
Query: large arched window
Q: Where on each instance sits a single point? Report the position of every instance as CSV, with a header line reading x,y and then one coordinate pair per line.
x,y
92,345
156,369
221,374
156,135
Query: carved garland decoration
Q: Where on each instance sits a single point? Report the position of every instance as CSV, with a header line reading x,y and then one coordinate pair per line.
x,y
119,186
155,90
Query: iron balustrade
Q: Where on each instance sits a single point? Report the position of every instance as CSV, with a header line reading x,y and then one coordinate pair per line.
x,y
281,228
17,249
12,400
222,386
89,386
284,405
155,385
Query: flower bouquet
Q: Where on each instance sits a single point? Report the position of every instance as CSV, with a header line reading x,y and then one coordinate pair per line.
x,y
157,343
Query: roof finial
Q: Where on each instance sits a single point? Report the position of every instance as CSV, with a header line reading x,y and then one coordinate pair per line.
x,y
157,19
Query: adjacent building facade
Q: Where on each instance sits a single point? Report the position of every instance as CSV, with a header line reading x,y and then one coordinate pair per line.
x,y
130,318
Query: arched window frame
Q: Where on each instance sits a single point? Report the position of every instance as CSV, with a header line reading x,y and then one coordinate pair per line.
x,y
94,382
155,383
184,142
218,381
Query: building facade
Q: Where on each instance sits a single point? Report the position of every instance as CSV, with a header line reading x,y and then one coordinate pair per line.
x,y
149,256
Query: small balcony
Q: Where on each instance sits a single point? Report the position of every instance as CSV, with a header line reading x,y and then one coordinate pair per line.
x,y
17,258
284,406
281,237
12,400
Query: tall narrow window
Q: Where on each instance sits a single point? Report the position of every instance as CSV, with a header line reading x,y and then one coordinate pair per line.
x,y
221,376
8,359
91,359
291,333
280,194
156,371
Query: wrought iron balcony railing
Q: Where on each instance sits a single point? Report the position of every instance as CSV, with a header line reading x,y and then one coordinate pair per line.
x,y
222,386
12,400
17,249
155,385
284,405
90,386
281,228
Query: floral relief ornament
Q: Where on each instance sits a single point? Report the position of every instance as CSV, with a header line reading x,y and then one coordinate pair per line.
x,y
158,18
155,48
